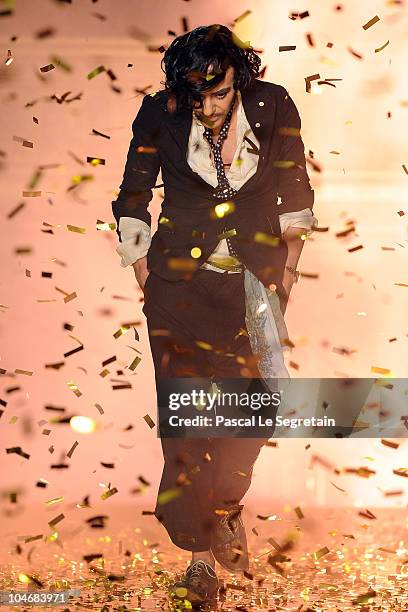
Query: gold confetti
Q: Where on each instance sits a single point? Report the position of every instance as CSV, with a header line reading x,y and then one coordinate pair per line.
x,y
371,22
167,496
379,370
146,150
227,234
289,131
32,194
166,221
26,372
47,68
135,363
105,227
95,161
180,263
95,72
70,297
283,164
149,421
74,388
242,16
267,239
204,345
299,512
309,79
382,47
56,520
9,58
74,228
401,472
56,500
71,450
320,553
121,331
109,493
195,252
390,444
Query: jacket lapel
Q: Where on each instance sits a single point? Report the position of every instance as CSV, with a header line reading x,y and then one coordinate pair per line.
x,y
259,106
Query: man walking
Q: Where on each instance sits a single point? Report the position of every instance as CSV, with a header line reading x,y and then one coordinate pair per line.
x,y
218,271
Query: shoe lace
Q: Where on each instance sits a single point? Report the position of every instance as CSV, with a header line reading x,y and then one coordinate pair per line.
x,y
195,570
229,520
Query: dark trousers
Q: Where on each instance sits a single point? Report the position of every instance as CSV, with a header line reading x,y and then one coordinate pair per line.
x,y
197,329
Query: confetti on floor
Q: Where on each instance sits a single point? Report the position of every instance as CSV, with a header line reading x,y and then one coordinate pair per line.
x,y
336,560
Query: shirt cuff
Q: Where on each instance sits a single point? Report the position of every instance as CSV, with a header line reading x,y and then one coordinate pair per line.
x,y
135,240
298,218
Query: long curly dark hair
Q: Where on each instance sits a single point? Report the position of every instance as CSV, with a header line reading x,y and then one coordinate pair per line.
x,y
186,62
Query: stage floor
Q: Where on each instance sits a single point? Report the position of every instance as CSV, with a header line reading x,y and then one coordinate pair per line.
x,y
301,558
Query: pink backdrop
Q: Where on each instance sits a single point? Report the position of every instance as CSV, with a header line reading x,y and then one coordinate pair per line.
x,y
354,304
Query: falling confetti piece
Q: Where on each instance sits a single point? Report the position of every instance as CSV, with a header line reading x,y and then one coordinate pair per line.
x,y
109,493
299,513
401,472
56,520
266,239
390,444
47,68
241,17
320,553
379,370
74,228
18,451
32,194
382,47
308,81
135,363
354,53
371,22
74,388
95,72
149,421
287,48
71,450
95,161
182,264
167,496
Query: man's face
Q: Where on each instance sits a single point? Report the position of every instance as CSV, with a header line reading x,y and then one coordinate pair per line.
x,y
216,102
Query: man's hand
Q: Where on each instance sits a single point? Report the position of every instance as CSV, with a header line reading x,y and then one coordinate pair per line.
x,y
141,271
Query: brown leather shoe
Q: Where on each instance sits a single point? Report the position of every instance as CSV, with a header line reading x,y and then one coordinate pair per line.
x,y
199,586
228,541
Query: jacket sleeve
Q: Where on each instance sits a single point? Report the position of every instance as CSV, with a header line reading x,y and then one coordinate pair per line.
x,y
142,166
293,181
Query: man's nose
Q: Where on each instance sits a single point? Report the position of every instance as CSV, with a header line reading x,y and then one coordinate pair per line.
x,y
208,107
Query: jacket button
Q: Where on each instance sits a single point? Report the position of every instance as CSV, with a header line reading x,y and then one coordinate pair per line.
x,y
261,103
257,125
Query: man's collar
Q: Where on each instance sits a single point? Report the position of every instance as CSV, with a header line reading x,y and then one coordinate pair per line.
x,y
259,107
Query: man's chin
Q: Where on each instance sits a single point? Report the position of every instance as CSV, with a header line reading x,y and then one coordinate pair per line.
x,y
208,123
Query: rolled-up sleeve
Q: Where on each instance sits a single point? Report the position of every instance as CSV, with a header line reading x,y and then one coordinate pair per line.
x,y
302,218
135,240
